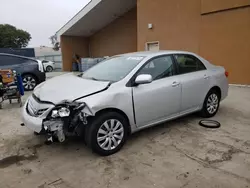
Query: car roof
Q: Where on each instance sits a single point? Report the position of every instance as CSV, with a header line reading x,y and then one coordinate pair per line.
x,y
150,54
161,52
18,56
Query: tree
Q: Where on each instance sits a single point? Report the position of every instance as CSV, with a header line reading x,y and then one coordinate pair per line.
x,y
11,37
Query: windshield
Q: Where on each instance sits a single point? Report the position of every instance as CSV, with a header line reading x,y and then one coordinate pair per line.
x,y
113,69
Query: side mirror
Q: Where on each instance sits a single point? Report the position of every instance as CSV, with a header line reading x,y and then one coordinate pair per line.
x,y
143,79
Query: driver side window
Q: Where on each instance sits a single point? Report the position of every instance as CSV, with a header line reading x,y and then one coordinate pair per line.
x,y
158,68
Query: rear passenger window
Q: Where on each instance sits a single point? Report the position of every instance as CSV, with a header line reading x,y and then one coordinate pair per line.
x,y
7,60
188,63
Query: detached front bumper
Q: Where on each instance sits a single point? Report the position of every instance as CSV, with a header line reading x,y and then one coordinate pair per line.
x,y
33,123
30,117
35,117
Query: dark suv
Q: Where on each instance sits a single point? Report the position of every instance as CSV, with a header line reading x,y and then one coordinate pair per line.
x,y
31,69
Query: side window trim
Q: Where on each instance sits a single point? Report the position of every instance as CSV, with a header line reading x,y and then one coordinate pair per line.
x,y
174,67
130,82
177,65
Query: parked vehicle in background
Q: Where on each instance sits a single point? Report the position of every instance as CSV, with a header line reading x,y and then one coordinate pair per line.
x,y
49,66
31,69
124,94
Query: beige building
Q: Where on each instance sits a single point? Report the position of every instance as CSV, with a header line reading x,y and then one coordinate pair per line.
x,y
218,30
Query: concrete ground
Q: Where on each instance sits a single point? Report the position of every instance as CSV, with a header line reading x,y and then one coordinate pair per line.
x,y
177,154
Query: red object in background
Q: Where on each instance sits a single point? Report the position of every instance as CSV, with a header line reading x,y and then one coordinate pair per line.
x,y
226,73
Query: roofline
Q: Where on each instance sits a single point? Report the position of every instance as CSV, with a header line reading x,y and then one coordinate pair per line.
x,y
71,22
148,53
18,56
74,16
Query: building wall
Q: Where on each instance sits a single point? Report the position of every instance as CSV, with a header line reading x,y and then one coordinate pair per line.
x,y
225,40
71,45
218,5
175,23
118,37
218,30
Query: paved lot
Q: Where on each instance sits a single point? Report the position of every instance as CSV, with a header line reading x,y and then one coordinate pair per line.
x,y
177,154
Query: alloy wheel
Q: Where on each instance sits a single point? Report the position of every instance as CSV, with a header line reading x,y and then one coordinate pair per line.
x,y
29,83
212,103
110,134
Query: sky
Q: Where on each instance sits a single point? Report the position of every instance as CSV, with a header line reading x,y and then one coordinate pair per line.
x,y
41,18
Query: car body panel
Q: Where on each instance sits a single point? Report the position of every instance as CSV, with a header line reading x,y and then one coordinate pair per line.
x,y
35,122
194,87
112,98
67,87
156,100
144,105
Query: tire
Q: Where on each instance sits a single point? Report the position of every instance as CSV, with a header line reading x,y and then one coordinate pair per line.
x,y
29,82
36,134
211,104
98,129
212,124
49,68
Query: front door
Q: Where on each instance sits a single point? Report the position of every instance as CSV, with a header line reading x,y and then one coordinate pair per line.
x,y
159,99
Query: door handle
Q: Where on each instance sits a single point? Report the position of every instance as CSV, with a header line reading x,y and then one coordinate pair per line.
x,y
174,84
206,76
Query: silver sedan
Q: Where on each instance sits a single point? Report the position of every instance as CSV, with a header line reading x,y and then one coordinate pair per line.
x,y
124,94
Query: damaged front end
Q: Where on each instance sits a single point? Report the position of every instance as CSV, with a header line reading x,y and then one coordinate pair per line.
x,y
66,119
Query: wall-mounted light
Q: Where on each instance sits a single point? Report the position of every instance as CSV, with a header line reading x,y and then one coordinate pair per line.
x,y
150,26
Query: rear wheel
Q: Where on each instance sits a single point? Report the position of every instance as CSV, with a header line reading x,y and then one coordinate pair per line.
x,y
29,82
107,133
211,104
49,68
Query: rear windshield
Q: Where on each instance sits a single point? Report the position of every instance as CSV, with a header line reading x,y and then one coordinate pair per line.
x,y
113,69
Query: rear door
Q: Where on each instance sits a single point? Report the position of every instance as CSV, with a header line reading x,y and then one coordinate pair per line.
x,y
195,81
159,99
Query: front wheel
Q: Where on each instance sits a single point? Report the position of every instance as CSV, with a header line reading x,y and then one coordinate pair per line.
x,y
107,133
211,104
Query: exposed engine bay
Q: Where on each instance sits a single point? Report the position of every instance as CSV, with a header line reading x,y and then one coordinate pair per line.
x,y
66,119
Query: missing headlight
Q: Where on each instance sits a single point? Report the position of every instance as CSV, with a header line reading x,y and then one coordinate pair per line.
x,y
63,112
54,113
60,112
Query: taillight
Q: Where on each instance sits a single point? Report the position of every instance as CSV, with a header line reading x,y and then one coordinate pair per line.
x,y
226,74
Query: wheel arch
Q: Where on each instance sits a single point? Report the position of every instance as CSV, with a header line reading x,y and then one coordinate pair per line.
x,y
117,111
217,89
32,74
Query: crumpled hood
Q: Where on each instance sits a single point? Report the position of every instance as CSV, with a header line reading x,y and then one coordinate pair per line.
x,y
67,87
